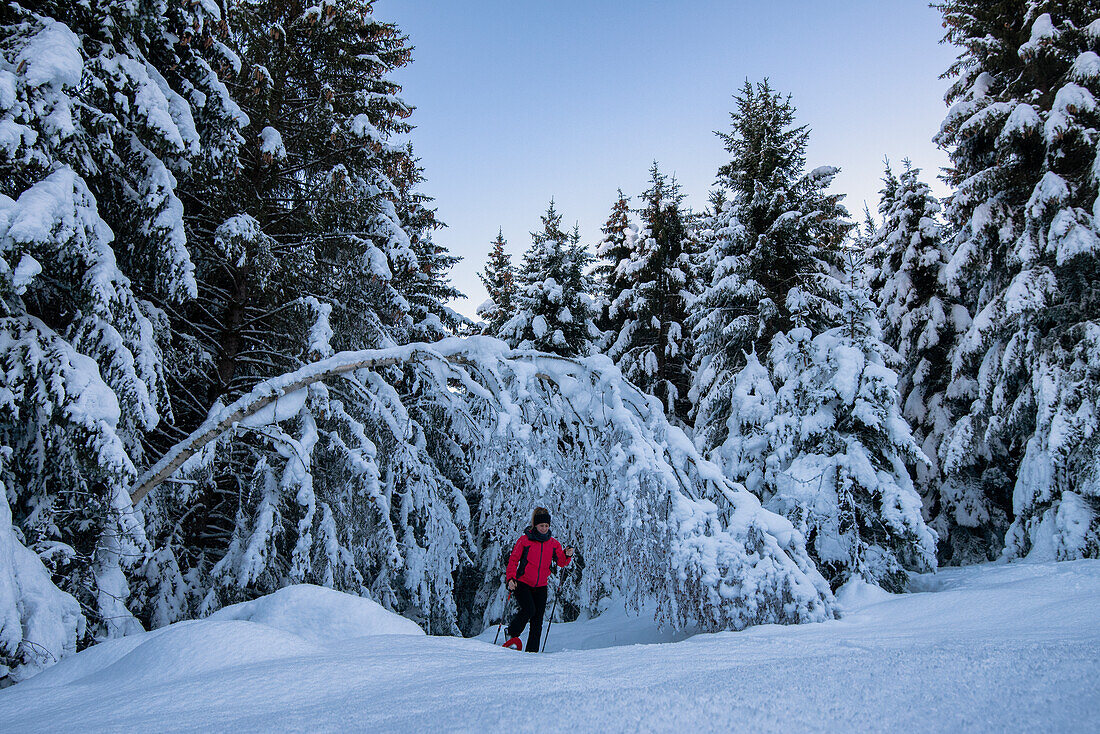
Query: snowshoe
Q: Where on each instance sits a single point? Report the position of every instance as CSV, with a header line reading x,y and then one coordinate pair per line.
x,y
515,643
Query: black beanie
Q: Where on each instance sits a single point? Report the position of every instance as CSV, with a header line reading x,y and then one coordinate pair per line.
x,y
540,517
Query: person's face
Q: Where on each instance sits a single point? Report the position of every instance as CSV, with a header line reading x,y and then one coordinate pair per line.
x,y
543,527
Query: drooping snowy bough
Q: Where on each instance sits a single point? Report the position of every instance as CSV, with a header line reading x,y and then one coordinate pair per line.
x,y
651,518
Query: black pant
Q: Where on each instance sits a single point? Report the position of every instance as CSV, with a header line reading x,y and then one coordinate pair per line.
x,y
532,605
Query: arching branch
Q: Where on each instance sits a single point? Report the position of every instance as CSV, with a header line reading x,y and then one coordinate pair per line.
x,y
262,396
478,355
469,352
722,561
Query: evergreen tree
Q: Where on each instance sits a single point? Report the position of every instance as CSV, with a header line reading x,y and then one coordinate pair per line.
x,y
647,295
35,634
499,279
869,240
921,322
312,238
771,252
1021,136
554,311
838,447
611,250
864,237
427,287
613,467
105,104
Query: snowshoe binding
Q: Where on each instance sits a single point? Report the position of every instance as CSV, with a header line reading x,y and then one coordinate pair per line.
x,y
515,643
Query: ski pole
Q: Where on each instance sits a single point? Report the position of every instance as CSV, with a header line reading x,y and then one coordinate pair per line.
x,y
503,614
557,593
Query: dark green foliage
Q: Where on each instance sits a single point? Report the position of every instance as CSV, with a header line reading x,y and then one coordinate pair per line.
x,y
1022,135
554,310
427,287
612,250
770,252
99,125
499,279
647,291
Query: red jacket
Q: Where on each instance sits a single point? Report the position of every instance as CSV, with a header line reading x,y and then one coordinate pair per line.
x,y
530,560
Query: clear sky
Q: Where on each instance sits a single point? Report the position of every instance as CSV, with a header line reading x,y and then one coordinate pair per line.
x,y
519,101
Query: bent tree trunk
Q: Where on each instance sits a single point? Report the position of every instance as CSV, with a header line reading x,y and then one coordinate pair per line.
x,y
259,398
459,351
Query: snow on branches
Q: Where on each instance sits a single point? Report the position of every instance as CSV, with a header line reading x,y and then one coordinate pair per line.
x,y
651,517
1020,460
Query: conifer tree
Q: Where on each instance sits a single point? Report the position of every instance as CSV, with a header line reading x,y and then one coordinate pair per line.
x,y
864,236
837,449
39,623
499,279
647,295
920,321
868,241
1021,136
105,105
554,311
771,252
427,287
611,250
317,240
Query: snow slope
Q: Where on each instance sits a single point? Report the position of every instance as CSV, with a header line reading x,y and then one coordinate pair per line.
x,y
990,648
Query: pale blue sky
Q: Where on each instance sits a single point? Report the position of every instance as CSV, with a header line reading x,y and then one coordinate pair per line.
x,y
521,101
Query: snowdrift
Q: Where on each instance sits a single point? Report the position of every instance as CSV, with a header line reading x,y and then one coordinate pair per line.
x,y
297,621
1006,647
319,615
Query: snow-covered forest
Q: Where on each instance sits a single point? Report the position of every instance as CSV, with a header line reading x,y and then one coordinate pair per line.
x,y
230,366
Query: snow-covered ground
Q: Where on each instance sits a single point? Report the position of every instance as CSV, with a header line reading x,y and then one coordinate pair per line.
x,y
992,648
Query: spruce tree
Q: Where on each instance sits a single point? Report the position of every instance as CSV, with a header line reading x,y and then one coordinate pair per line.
x,y
107,104
499,279
611,250
554,310
647,295
921,321
838,446
1021,136
311,237
869,238
426,288
771,252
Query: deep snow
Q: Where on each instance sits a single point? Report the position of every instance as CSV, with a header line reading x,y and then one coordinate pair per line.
x,y
989,648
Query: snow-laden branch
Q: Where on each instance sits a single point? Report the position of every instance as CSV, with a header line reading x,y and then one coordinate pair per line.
x,y
260,405
265,395
653,518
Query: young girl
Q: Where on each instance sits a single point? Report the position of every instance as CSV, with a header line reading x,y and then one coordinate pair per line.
x,y
528,572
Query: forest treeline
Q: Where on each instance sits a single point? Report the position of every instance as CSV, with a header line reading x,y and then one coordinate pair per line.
x,y
197,197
